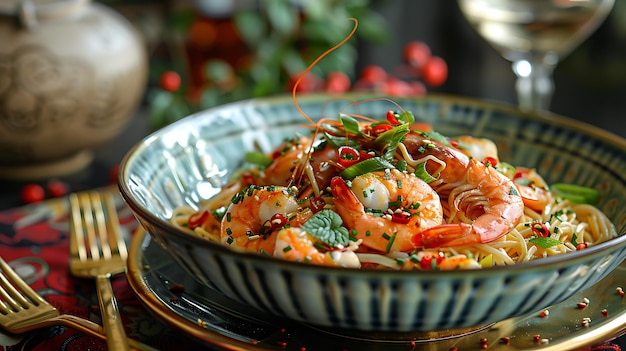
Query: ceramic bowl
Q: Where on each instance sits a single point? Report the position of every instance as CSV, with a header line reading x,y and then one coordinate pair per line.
x,y
190,159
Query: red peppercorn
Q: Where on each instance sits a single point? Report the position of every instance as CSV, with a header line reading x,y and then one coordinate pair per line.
x,y
170,81
32,193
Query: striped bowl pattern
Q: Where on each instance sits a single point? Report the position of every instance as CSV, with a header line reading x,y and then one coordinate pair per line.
x,y
190,159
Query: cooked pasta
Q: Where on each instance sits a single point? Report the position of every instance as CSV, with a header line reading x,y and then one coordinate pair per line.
x,y
394,194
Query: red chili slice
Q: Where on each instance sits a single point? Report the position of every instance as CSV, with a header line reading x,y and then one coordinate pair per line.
x,y
440,257
426,262
278,221
317,204
391,117
364,156
196,219
348,156
401,217
490,161
540,229
381,128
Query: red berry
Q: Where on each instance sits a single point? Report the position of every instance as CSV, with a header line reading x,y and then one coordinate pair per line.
x,y
416,53
307,84
56,188
337,83
113,173
32,193
417,88
373,74
435,71
170,81
397,87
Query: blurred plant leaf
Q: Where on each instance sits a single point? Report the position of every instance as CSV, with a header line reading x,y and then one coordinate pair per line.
x,y
282,16
251,26
372,26
218,71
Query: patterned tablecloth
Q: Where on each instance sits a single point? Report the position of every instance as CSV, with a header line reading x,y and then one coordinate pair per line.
x,y
34,240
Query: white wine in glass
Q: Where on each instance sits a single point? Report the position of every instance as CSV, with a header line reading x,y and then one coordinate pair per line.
x,y
534,35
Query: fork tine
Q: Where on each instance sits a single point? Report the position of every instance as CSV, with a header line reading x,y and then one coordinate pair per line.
x,y
11,297
101,236
93,219
77,237
15,291
113,225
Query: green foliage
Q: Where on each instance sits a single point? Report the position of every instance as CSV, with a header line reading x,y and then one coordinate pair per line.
x,y
283,38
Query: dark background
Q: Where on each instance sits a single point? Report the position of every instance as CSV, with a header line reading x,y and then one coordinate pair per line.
x,y
590,83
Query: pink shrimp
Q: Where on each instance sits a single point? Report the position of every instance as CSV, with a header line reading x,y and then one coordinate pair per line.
x,y
483,204
256,214
295,244
533,188
293,157
403,205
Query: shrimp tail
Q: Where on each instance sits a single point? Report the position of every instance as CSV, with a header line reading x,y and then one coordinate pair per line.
x,y
342,193
446,235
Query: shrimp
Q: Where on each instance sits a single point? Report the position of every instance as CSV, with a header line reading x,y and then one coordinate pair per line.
x,y
258,212
483,204
479,148
295,244
296,156
533,188
386,209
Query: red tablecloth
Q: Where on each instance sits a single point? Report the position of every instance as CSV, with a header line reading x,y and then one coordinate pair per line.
x,y
34,240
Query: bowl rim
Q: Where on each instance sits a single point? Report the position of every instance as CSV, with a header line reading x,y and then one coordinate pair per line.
x,y
555,262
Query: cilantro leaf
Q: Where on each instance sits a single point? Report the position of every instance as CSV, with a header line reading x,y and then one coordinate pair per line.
x,y
326,226
544,242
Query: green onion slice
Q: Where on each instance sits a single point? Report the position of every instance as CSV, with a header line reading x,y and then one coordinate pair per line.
x,y
544,242
350,124
576,193
422,173
366,166
337,141
258,158
391,139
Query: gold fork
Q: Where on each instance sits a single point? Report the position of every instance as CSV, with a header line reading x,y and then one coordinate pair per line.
x,y
23,310
97,250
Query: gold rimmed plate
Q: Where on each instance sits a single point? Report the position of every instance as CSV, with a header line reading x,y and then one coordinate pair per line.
x,y
176,298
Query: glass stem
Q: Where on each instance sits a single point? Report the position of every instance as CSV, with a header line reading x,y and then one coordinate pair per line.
x,y
534,83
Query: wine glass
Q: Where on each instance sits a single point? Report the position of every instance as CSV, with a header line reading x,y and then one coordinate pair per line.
x,y
534,35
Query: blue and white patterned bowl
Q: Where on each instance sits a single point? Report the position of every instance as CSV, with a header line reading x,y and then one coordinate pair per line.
x,y
190,159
